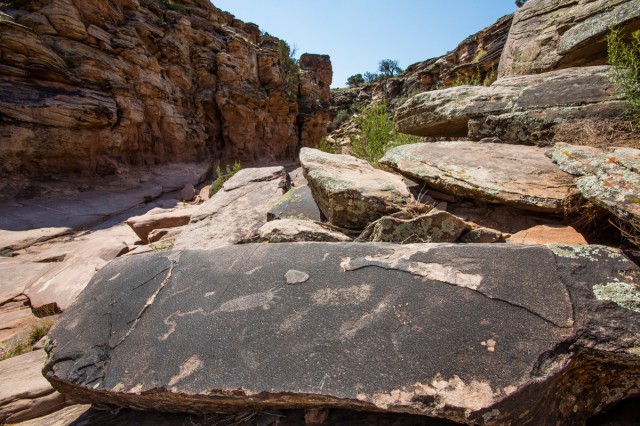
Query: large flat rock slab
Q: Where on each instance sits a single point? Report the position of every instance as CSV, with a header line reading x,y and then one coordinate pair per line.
x,y
531,109
349,191
453,331
236,212
519,176
547,35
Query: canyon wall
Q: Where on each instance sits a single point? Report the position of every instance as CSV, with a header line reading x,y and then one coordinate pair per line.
x,y
96,86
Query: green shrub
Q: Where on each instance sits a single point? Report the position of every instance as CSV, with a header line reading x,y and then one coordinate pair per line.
x,y
378,134
290,69
625,61
329,147
355,80
37,332
221,178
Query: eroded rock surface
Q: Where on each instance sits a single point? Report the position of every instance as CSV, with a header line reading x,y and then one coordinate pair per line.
x,y
434,226
243,337
24,392
236,212
297,203
96,86
552,34
519,176
295,230
349,191
610,179
159,219
531,109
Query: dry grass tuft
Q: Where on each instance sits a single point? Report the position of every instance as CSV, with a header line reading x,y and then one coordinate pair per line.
x,y
599,134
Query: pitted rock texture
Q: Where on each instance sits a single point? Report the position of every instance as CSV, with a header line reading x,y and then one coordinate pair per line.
x,y
236,212
295,230
519,176
96,86
530,109
349,191
551,34
451,331
610,179
434,226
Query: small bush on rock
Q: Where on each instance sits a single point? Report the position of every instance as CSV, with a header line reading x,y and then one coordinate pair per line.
x,y
378,134
221,178
625,60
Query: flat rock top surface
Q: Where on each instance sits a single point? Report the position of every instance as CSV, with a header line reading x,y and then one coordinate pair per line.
x,y
518,175
413,328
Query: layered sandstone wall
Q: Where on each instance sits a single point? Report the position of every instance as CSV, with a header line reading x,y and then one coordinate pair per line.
x,y
99,85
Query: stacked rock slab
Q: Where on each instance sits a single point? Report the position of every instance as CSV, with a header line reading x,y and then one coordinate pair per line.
x,y
451,331
551,34
518,176
349,191
236,212
529,109
610,179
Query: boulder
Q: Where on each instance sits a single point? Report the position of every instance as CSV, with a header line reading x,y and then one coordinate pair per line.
x,y
159,219
297,203
483,235
24,393
435,226
519,176
294,230
452,331
551,34
548,234
349,191
531,109
236,212
187,193
610,179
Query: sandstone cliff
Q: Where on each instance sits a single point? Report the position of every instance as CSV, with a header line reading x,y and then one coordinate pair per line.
x,y
97,86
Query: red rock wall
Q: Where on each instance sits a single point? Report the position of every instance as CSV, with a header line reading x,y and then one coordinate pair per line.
x,y
98,85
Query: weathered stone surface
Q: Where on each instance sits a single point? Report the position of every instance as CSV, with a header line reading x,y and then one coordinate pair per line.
x,y
349,191
552,34
297,203
236,212
519,176
221,329
25,222
16,317
610,179
24,392
435,226
159,219
97,87
545,234
530,109
483,235
294,230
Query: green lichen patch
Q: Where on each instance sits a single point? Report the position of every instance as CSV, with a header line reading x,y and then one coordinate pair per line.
x,y
623,294
590,252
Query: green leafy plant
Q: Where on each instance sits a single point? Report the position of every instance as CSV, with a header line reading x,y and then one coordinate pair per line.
x,y
378,134
329,147
160,246
221,177
290,69
624,58
355,80
37,332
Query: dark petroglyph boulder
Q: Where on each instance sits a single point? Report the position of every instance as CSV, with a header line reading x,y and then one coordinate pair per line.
x,y
519,176
349,191
451,331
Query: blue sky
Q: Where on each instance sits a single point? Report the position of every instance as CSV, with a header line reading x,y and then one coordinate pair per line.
x,y
357,34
